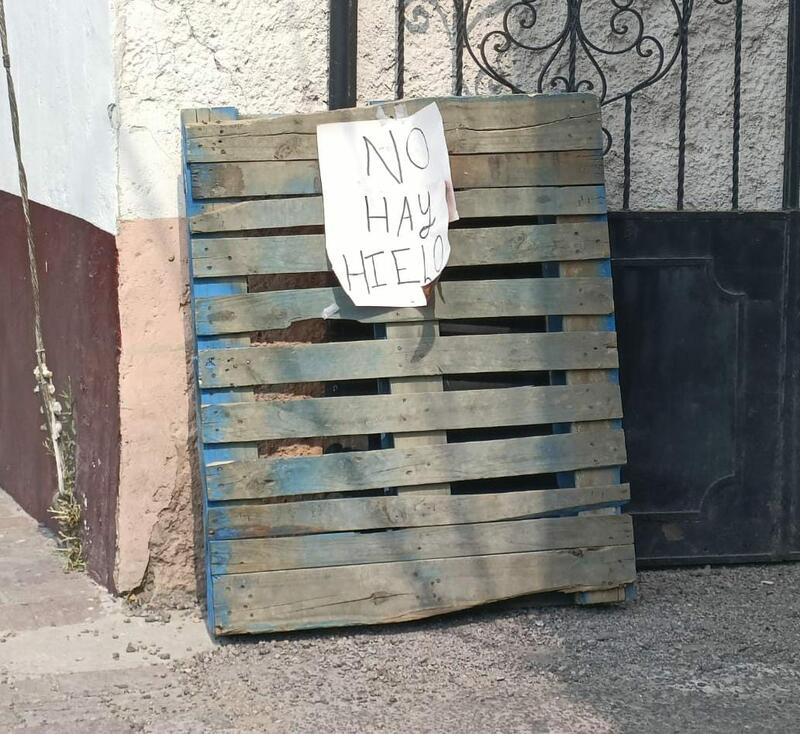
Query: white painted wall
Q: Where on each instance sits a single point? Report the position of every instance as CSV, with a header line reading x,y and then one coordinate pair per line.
x,y
62,61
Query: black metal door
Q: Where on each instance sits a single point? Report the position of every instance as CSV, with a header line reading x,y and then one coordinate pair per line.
x,y
703,309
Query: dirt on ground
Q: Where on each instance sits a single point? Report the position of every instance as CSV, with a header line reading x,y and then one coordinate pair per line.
x,y
701,650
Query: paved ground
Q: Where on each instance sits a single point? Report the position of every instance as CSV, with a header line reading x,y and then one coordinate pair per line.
x,y
704,650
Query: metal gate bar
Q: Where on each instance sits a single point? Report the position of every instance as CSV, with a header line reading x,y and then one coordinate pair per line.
x,y
575,40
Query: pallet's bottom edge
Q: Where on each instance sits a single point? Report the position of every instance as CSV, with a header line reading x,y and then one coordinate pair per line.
x,y
377,594
627,592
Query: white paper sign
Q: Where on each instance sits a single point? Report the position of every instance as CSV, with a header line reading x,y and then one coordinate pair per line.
x,y
385,188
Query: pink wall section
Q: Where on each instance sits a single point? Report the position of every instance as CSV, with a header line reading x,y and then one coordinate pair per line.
x,y
157,521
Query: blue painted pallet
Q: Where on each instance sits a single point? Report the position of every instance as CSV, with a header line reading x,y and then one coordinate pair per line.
x,y
204,288
307,563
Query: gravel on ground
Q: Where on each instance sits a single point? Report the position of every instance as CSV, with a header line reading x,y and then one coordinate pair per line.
x,y
701,650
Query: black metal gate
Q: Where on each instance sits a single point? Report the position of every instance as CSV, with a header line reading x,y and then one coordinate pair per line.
x,y
705,305
707,302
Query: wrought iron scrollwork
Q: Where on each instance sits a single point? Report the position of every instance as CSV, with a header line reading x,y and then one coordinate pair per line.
x,y
612,48
571,56
573,42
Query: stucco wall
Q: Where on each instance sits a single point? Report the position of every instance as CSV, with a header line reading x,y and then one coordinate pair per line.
x,y
258,57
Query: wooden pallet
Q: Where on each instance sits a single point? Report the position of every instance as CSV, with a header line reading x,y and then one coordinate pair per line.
x,y
438,516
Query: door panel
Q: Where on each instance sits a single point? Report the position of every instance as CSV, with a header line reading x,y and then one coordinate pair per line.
x,y
701,315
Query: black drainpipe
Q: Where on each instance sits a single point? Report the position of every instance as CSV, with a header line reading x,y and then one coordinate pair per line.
x,y
342,47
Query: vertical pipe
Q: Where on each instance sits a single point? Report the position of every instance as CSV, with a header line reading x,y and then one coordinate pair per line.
x,y
684,41
400,65
342,56
737,105
458,60
791,149
573,11
626,151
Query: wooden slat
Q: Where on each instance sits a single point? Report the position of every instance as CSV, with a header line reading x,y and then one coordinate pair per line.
x,y
473,113
403,511
403,411
394,592
363,360
362,470
567,133
222,256
306,211
256,178
453,300
416,544
489,170
579,133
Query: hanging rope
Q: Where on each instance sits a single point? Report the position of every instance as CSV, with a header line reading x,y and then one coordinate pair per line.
x,y
44,377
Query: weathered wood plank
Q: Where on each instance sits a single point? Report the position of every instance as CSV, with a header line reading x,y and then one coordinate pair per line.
x,y
406,411
259,214
221,256
485,170
403,511
473,113
363,360
307,211
395,592
578,133
535,201
453,300
416,544
362,470
497,170
582,132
